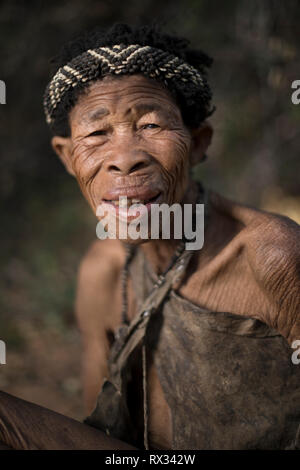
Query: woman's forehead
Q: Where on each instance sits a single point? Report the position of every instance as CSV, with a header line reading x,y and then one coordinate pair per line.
x,y
122,94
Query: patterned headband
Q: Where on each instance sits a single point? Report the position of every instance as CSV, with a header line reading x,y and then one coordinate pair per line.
x,y
121,59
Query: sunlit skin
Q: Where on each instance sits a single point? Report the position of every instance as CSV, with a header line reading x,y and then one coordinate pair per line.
x,y
128,138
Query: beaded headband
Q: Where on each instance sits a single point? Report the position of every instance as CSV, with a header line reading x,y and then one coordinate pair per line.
x,y
122,59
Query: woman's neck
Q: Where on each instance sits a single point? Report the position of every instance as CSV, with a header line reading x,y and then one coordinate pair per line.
x,y
159,252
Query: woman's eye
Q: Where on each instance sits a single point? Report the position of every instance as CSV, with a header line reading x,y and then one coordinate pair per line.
x,y
100,132
150,126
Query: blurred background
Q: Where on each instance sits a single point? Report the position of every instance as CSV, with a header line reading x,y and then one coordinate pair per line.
x,y
46,226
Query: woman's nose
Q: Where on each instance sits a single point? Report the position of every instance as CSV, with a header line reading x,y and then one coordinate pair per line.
x,y
127,162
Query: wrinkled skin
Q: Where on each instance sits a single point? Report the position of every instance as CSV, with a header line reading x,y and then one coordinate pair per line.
x,y
129,147
250,261
128,138
249,264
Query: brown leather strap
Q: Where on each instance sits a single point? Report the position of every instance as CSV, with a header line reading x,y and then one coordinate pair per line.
x,y
131,336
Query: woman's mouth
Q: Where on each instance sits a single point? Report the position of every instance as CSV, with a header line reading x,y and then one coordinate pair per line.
x,y
124,201
131,208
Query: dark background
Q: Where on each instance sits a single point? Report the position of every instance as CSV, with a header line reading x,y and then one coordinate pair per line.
x,y
46,226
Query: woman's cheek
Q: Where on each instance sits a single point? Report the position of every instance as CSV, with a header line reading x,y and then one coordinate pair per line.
x,y
86,165
174,148
87,162
176,165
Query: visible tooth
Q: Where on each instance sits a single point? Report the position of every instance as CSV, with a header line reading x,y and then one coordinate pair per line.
x,y
123,201
137,201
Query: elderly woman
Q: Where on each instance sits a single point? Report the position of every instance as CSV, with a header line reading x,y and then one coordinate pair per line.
x,y
183,348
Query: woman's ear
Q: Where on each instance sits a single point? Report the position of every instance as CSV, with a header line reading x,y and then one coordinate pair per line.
x,y
201,139
62,146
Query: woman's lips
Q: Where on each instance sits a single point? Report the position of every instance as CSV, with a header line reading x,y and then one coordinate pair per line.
x,y
131,208
134,192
